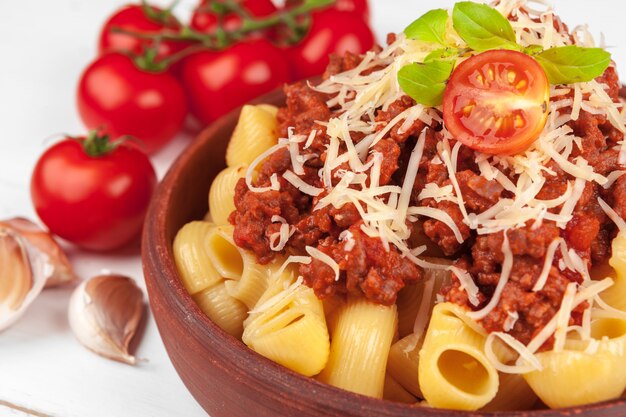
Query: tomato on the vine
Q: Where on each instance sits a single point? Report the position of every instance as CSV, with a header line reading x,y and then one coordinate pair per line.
x,y
332,32
92,192
117,96
359,7
136,18
218,82
206,21
497,102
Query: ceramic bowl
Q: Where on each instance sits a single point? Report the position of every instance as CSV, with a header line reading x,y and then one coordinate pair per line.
x,y
225,377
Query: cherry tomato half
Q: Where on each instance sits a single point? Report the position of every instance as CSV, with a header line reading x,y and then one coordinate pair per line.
x,y
218,82
134,18
96,202
332,32
115,95
497,102
205,21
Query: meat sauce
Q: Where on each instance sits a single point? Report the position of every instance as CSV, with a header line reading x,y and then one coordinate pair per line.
x,y
370,269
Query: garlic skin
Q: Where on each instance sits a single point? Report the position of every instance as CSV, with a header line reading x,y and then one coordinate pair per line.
x,y
24,272
105,313
42,240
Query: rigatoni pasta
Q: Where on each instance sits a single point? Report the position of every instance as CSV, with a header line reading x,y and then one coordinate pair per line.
x,y
600,362
222,193
342,195
225,310
246,280
454,371
403,363
360,345
191,257
288,326
256,132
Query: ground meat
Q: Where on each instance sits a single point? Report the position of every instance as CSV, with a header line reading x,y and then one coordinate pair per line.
x,y
305,108
368,268
253,217
390,152
363,269
341,63
397,133
478,193
441,234
533,309
619,196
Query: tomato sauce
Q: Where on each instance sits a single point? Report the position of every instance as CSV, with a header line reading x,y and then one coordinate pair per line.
x,y
371,270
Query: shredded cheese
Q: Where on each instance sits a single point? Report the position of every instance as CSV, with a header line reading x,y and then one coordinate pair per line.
x,y
354,166
563,316
467,284
547,265
507,266
322,257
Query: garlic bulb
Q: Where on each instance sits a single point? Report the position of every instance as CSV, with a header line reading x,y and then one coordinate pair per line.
x,y
105,313
23,274
43,241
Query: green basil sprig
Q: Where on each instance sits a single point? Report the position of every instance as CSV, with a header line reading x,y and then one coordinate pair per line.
x,y
431,27
572,64
426,81
483,28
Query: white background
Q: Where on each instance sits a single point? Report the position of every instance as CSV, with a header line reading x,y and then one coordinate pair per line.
x,y
44,45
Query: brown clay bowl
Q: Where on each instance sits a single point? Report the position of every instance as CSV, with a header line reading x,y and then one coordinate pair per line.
x,y
224,376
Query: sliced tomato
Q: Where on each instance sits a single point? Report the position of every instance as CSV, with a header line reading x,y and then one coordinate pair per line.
x,y
497,102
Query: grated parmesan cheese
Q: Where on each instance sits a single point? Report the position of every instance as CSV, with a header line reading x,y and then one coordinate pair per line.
x,y
507,266
352,170
467,284
322,257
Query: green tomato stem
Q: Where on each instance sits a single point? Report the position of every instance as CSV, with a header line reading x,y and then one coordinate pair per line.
x,y
223,38
98,144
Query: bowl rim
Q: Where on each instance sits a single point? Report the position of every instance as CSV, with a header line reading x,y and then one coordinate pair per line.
x,y
282,382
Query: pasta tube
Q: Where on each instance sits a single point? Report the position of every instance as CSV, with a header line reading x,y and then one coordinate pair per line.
x,y
256,132
595,373
615,296
403,363
192,260
360,346
288,327
453,369
246,279
226,311
222,193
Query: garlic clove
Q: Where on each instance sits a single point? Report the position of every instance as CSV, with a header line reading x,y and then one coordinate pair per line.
x,y
43,241
105,313
23,274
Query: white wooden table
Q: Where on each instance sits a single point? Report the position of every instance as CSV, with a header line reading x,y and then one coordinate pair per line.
x,y
44,45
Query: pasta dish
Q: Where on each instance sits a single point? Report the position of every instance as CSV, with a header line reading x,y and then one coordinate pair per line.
x,y
438,221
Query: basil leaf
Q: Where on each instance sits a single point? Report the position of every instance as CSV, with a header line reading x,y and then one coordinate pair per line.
x,y
442,54
533,50
425,83
430,27
573,64
483,27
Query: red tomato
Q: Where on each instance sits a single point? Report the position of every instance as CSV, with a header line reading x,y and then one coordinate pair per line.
x,y
497,102
115,95
218,82
205,21
134,18
332,32
359,7
96,202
